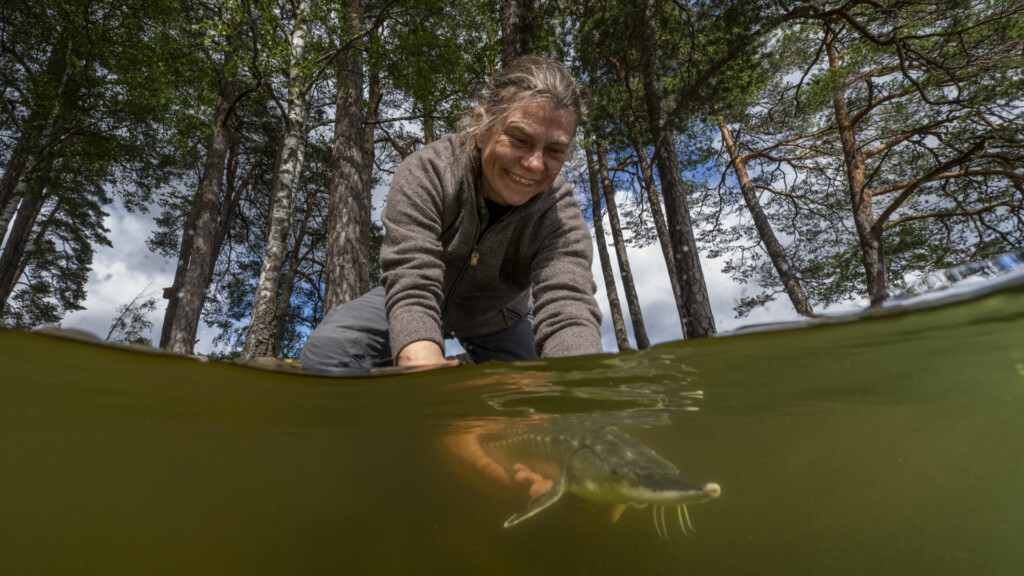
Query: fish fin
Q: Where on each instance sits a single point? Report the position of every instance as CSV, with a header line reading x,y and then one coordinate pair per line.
x,y
540,502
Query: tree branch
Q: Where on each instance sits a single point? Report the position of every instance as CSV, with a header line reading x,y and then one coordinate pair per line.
x,y
950,213
879,224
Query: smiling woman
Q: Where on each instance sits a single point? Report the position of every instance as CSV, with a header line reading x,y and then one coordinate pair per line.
x,y
522,158
484,242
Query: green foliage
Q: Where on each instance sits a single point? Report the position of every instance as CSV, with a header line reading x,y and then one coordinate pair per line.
x,y
132,323
711,62
97,100
114,98
433,57
923,83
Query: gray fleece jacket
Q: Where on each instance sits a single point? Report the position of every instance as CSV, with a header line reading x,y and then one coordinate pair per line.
x,y
442,279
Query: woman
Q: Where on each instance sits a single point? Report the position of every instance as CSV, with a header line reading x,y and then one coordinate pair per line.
x,y
483,241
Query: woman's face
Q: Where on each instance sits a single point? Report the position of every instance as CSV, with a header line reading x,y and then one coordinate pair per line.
x,y
521,156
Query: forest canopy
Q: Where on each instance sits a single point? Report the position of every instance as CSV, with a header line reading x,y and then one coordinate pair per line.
x,y
827,151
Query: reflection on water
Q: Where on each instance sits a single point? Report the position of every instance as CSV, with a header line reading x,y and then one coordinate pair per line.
x,y
889,445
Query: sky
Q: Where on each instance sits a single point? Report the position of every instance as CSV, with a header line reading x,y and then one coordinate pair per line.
x,y
129,268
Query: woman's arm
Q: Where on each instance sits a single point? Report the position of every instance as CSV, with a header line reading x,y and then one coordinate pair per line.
x,y
567,319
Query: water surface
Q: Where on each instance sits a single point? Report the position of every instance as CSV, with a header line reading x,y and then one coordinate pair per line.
x,y
888,445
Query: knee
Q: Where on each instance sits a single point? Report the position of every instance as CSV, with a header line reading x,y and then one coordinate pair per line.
x,y
352,337
337,349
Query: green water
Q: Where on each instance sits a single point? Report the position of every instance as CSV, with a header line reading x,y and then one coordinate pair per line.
x,y
884,446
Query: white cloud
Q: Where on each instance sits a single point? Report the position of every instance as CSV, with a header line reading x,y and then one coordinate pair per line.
x,y
120,273
654,292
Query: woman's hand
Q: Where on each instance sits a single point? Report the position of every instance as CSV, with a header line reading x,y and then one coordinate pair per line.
x,y
535,483
424,353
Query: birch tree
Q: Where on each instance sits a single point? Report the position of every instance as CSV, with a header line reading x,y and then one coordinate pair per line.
x,y
291,26
307,54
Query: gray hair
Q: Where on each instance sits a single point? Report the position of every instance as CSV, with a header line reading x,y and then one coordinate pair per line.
x,y
528,80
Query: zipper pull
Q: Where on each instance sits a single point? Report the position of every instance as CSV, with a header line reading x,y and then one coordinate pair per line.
x,y
474,257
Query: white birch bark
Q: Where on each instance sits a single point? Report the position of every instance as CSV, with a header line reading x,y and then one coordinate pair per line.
x,y
259,340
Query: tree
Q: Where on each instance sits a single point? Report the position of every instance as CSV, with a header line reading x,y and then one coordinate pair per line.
x,y
942,65
289,32
772,246
132,322
307,284
56,250
308,55
516,29
700,321
212,210
888,142
618,323
423,66
656,67
348,218
89,106
635,313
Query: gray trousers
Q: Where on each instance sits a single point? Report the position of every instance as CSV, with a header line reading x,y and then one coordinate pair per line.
x,y
353,338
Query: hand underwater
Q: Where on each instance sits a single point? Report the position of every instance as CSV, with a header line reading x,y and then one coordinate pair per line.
x,y
539,485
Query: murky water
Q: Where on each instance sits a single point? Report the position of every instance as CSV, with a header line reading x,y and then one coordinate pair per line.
x,y
892,445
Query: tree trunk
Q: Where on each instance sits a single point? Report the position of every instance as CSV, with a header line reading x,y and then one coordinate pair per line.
x,y
635,313
346,266
11,264
661,227
188,233
373,114
516,30
32,145
699,322
294,261
259,340
872,253
14,182
618,322
284,301
772,246
196,280
428,127
232,198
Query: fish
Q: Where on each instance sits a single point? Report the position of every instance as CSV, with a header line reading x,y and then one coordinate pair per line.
x,y
599,464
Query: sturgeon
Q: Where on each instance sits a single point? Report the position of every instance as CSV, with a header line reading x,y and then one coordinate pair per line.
x,y
596,463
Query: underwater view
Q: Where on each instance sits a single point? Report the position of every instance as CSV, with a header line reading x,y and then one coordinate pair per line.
x,y
886,442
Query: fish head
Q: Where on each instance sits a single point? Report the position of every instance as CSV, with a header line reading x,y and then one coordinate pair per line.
x,y
627,474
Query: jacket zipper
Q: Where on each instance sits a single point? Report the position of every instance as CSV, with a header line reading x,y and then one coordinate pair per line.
x,y
474,257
